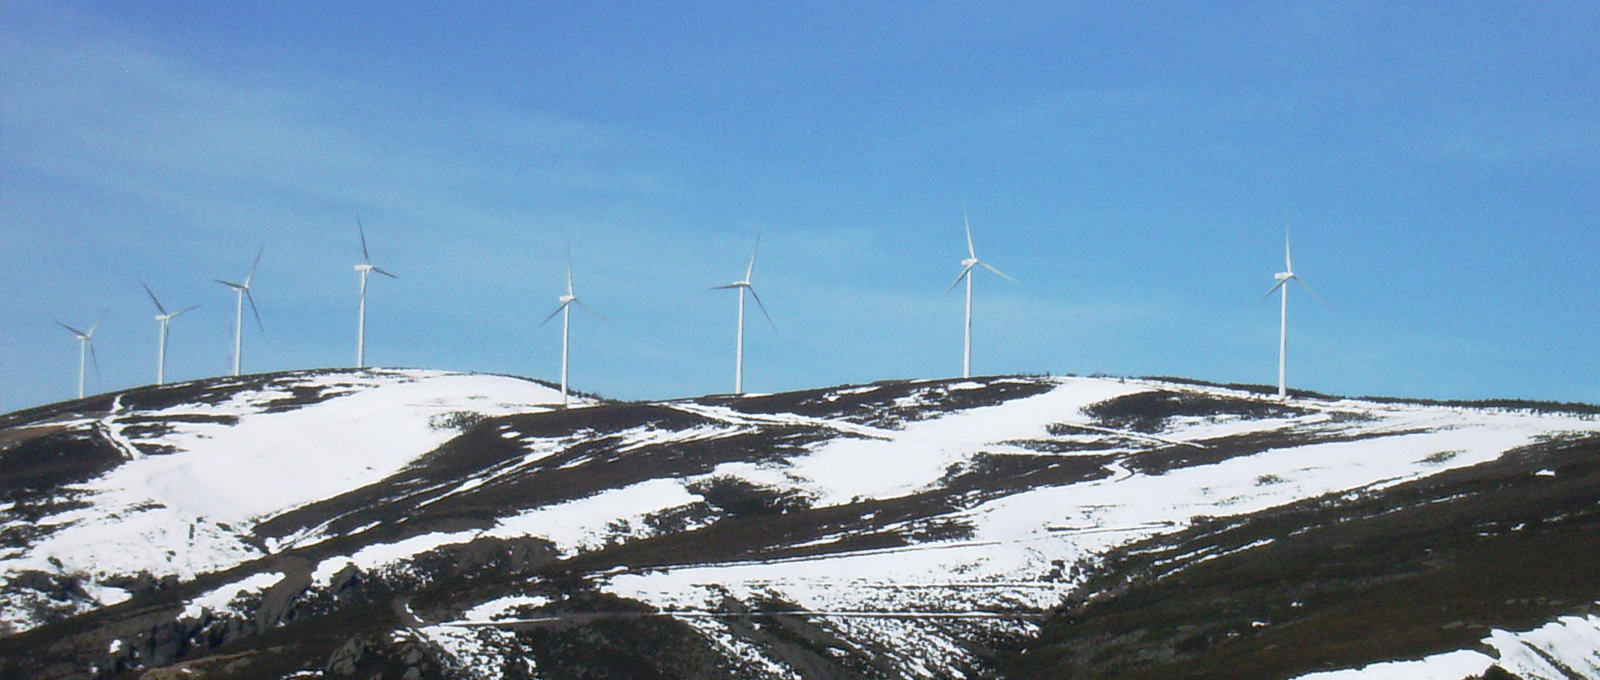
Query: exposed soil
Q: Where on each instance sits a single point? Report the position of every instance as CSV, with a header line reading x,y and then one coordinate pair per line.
x,y
1422,568
1149,411
31,470
891,403
1418,568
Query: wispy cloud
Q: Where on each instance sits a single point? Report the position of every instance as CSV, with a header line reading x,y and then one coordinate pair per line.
x,y
92,106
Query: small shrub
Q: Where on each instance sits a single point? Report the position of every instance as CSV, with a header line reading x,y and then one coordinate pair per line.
x,y
1440,457
460,421
737,496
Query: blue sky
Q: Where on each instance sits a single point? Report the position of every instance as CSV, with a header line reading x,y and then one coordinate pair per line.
x,y
1132,164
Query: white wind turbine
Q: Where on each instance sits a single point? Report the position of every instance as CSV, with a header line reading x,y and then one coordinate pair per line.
x,y
742,286
243,289
365,269
966,273
1284,277
565,310
164,318
86,349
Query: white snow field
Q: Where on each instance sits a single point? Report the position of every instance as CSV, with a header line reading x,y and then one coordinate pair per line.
x,y
1018,538
190,511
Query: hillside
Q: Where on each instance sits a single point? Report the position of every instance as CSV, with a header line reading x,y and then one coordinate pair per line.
x,y
420,524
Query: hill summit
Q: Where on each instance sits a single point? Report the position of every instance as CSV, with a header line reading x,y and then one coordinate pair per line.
x,y
423,524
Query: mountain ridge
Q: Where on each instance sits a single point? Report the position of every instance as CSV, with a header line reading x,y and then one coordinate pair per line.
x,y
895,529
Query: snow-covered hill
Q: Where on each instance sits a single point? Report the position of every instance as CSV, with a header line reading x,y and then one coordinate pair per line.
x,y
427,524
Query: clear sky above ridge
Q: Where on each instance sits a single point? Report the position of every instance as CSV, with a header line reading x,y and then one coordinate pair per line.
x,y
1133,164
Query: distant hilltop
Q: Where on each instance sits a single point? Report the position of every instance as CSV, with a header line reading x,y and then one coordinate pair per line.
x,y
427,524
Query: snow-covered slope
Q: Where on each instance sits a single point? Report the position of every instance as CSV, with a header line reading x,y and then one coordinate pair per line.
x,y
199,468
902,529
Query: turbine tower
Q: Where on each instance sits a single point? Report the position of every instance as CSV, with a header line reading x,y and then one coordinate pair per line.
x,y
966,273
164,318
86,348
565,310
243,290
1284,277
365,268
742,286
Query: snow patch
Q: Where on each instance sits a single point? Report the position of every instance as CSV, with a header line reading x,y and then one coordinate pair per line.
x,y
219,598
587,523
1573,642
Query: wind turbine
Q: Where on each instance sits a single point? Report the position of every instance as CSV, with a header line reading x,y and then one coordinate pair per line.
x,y
966,273
742,286
243,290
1284,277
86,348
365,268
565,310
164,318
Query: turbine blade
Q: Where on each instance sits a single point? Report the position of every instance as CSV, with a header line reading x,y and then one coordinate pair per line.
x,y
957,282
380,271
1274,289
752,268
229,284
971,251
362,231
731,285
253,309
257,261
552,315
96,357
181,312
569,269
97,321
591,310
153,297
1001,273
1288,260
1310,290
762,307
74,330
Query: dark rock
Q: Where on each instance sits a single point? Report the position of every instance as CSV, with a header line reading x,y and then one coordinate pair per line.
x,y
344,659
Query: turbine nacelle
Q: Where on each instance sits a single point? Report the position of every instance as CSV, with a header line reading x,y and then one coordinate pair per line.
x,y
86,347
243,290
743,285
968,265
1283,278
162,318
366,257
565,309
